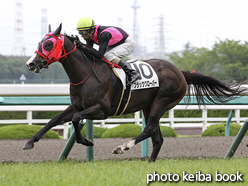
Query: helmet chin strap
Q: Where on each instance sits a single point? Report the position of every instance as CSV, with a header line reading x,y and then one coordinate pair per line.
x,y
92,33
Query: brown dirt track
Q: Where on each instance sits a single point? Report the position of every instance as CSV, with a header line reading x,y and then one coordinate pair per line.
x,y
189,147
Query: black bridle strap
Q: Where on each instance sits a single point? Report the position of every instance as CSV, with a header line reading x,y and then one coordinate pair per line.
x,y
98,79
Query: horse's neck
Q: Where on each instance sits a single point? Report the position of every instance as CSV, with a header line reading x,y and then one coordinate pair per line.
x,y
75,64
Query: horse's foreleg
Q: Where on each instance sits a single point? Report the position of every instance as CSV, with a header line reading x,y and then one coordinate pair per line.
x,y
157,141
65,116
93,112
79,137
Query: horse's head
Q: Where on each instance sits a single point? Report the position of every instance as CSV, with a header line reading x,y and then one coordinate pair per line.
x,y
49,50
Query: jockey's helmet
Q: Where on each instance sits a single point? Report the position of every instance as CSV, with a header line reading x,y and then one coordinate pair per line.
x,y
85,23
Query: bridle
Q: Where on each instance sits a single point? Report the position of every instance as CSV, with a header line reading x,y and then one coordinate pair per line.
x,y
57,53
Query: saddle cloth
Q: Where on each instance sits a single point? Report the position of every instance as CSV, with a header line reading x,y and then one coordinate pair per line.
x,y
149,78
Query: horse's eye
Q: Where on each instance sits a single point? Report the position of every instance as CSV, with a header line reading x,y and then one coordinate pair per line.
x,y
48,45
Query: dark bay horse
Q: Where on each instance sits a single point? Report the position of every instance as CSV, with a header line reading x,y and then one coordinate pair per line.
x,y
96,101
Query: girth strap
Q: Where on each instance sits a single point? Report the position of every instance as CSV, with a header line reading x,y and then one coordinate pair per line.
x,y
125,97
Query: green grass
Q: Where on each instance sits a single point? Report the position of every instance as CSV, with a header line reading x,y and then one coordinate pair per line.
x,y
118,172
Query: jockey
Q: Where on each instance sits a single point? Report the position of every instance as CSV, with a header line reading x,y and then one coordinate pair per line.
x,y
114,44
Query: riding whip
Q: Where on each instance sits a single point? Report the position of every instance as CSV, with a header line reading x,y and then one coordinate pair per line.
x,y
98,79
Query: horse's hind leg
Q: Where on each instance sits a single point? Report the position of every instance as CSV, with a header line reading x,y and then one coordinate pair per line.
x,y
152,127
129,144
151,130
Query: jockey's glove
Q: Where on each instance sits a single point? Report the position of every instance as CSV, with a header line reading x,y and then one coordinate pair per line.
x,y
80,45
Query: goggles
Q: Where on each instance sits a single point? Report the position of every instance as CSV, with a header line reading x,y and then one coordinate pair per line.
x,y
83,32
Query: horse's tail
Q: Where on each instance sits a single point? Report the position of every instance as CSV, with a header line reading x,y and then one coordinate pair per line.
x,y
208,89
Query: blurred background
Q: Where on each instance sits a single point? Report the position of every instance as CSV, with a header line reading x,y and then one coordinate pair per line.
x,y
157,26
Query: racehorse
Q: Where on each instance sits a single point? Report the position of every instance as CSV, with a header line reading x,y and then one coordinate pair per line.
x,y
95,100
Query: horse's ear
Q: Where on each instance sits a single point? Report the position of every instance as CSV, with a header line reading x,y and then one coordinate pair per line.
x,y
49,28
58,30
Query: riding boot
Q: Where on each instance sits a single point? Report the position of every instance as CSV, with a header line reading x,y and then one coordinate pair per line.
x,y
131,73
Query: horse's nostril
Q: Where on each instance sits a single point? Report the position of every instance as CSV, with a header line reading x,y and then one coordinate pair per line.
x,y
30,64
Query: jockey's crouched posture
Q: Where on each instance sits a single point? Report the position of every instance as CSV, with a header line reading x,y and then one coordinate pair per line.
x,y
114,44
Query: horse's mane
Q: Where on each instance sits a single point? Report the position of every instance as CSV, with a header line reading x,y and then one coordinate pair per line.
x,y
72,38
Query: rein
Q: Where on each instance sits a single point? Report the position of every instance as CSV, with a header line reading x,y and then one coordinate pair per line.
x,y
81,82
112,65
66,54
92,68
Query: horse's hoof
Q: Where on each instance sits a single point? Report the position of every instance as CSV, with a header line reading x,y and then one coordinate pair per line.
x,y
118,150
28,146
89,142
86,142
